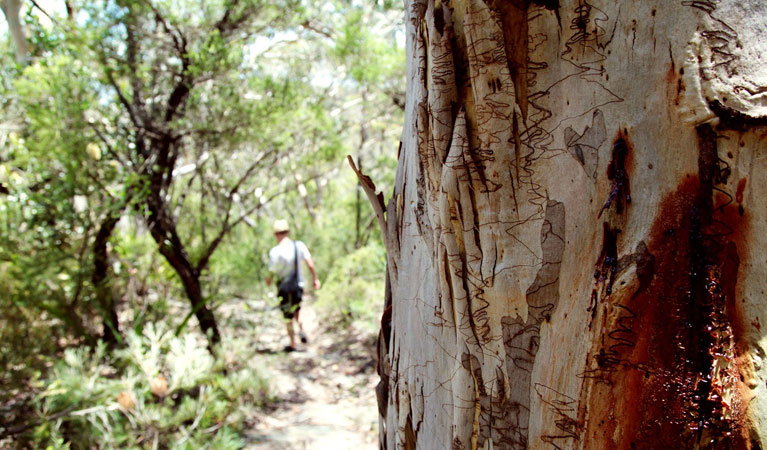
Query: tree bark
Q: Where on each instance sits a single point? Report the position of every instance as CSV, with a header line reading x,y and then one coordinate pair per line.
x,y
573,238
11,10
71,10
163,231
100,278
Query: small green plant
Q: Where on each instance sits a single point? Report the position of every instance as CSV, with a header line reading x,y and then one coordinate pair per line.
x,y
160,391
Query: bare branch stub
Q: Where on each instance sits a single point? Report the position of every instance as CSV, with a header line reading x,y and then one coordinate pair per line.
x,y
376,199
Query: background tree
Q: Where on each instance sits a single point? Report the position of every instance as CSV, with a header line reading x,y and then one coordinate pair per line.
x,y
356,59
65,193
179,94
575,230
11,11
352,54
258,123
157,94
265,112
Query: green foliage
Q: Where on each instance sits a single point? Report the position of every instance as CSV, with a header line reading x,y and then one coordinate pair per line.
x,y
160,390
294,89
238,269
23,347
60,189
371,58
354,289
144,279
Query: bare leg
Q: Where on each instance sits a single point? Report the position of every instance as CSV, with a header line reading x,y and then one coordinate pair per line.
x,y
301,333
291,333
298,322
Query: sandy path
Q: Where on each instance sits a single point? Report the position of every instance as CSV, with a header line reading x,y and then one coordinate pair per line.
x,y
325,391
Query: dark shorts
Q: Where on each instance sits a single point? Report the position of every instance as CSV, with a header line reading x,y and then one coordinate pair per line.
x,y
290,303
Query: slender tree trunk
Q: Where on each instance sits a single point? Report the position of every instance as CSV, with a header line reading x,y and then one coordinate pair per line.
x,y
71,10
162,227
204,315
163,231
575,231
102,281
11,10
358,210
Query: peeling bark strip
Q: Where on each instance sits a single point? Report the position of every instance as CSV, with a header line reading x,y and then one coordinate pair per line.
x,y
734,119
585,147
522,338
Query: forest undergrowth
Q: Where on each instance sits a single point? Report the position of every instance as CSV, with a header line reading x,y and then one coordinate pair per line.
x,y
163,391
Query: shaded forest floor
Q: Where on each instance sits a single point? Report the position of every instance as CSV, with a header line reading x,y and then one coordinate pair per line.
x,y
323,394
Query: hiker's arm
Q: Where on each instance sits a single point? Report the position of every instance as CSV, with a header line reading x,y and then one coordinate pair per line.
x,y
310,265
270,274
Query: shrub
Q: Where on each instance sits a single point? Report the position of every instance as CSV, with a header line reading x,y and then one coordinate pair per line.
x,y
161,391
354,289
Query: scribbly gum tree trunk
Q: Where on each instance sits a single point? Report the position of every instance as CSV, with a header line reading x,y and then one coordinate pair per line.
x,y
576,237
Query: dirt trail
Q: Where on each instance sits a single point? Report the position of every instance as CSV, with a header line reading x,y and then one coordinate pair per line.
x,y
325,391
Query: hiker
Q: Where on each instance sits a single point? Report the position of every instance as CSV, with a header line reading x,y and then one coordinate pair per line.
x,y
285,265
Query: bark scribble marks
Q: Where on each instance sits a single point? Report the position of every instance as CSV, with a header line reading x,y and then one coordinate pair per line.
x,y
713,272
418,10
616,172
619,334
522,338
725,57
708,6
483,400
585,147
564,407
695,383
463,184
443,91
586,50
